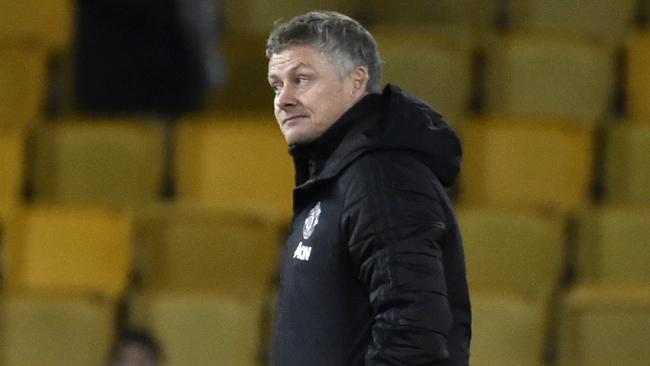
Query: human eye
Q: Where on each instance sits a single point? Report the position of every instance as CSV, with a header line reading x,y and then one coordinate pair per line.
x,y
302,79
276,87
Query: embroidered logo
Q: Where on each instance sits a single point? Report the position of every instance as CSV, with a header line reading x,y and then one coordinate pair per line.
x,y
311,221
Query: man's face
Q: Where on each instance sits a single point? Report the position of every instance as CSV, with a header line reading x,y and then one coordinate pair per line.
x,y
310,94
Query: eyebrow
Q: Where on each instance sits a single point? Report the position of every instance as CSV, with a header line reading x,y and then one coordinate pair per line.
x,y
292,69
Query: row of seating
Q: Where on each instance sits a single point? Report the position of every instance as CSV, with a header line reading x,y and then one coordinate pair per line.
x,y
54,21
524,75
523,313
204,275
603,18
77,329
97,250
508,162
195,275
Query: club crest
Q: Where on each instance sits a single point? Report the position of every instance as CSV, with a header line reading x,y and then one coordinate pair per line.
x,y
311,221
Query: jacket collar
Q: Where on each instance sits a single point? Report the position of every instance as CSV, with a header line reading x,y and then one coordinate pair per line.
x,y
342,143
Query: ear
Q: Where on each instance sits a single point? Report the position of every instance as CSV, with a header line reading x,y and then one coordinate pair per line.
x,y
360,78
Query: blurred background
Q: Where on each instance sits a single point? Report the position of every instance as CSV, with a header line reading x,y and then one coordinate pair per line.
x,y
145,189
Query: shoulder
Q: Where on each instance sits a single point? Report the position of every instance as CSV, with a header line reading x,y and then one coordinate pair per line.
x,y
388,171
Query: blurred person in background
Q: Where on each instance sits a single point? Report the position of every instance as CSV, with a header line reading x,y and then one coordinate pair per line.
x,y
374,270
150,57
136,348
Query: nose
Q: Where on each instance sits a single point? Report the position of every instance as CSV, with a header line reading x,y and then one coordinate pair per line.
x,y
286,98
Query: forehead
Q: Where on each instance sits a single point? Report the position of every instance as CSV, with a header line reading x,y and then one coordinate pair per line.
x,y
296,57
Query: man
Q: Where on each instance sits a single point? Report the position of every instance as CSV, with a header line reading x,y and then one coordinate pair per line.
x,y
374,269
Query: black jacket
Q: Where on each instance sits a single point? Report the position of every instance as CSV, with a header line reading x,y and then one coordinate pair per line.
x,y
374,269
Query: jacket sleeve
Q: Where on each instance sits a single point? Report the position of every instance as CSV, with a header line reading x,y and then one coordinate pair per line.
x,y
394,244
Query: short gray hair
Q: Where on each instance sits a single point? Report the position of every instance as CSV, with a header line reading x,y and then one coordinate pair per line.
x,y
341,39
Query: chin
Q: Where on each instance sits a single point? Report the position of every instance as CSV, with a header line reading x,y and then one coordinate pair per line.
x,y
296,138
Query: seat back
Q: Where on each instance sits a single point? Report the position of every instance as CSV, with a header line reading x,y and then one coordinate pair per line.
x,y
55,330
604,19
205,329
602,327
12,160
87,250
627,177
527,163
23,68
207,248
638,79
258,16
520,337
613,246
513,252
49,22
105,161
440,74
234,161
545,76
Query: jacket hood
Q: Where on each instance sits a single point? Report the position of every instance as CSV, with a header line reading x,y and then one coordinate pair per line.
x,y
393,120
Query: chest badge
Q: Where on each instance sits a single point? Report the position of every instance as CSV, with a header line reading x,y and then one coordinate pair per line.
x,y
311,221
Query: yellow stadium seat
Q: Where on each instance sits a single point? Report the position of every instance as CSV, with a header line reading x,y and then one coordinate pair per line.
x,y
511,251
258,16
234,161
190,247
441,72
527,163
506,330
54,330
205,329
638,78
546,76
12,159
515,260
627,178
613,246
69,249
105,161
49,22
23,68
477,14
605,19
605,326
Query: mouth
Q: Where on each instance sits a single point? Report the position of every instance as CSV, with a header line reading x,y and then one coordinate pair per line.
x,y
292,119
